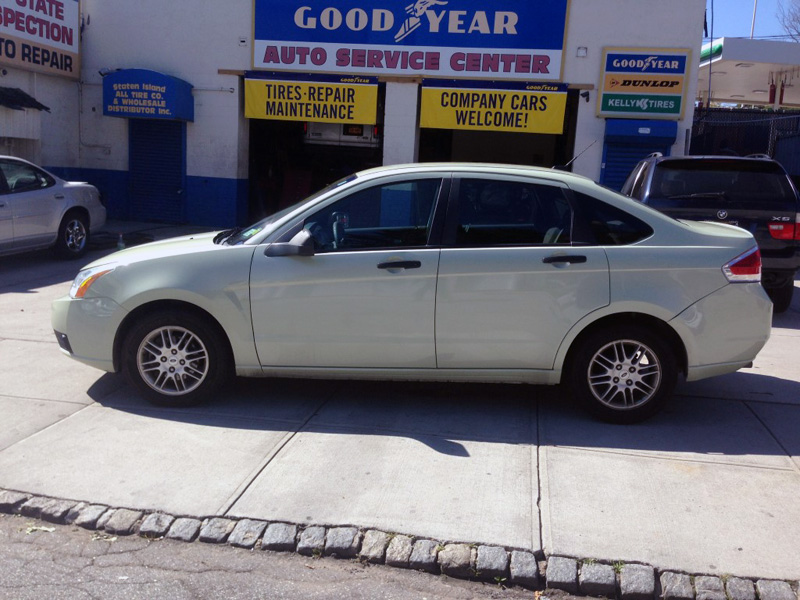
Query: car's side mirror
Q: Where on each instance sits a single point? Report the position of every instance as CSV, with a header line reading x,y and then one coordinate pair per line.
x,y
302,244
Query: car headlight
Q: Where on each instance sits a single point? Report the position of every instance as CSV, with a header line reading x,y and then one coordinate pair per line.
x,y
87,277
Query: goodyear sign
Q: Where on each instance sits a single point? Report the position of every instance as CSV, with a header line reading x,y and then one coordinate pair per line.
x,y
643,83
475,39
322,99
515,107
41,36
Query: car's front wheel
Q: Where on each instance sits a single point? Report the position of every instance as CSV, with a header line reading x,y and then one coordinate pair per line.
x,y
73,236
623,374
175,358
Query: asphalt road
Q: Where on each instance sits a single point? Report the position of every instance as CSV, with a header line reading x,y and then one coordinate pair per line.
x,y
709,486
59,562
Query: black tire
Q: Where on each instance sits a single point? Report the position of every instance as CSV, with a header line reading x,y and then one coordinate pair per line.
x,y
595,374
73,236
781,296
175,358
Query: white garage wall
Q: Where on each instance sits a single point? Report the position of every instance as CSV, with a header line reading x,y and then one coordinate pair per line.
x,y
195,39
596,24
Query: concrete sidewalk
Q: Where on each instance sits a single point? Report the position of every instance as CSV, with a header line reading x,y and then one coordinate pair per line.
x,y
709,486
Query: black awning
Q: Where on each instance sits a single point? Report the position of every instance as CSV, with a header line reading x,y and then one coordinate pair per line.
x,y
16,99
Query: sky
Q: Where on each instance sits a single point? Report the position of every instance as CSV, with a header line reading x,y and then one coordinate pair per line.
x,y
733,18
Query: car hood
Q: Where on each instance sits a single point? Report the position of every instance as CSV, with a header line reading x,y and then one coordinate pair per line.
x,y
178,246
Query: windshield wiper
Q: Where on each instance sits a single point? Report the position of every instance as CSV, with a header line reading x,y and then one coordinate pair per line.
x,y
224,235
723,195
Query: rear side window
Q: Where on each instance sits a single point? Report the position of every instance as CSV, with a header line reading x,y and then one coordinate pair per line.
x,y
608,225
493,212
752,181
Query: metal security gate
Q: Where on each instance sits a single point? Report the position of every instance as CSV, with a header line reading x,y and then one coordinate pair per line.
x,y
157,169
628,141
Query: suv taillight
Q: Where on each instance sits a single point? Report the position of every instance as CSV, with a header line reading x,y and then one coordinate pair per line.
x,y
786,231
745,268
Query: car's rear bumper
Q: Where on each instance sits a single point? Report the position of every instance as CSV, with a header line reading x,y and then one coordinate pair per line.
x,y
85,329
725,330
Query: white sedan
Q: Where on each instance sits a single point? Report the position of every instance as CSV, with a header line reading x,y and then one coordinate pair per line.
x,y
39,210
450,272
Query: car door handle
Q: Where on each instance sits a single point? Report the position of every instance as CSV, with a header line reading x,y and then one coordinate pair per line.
x,y
564,258
400,264
59,196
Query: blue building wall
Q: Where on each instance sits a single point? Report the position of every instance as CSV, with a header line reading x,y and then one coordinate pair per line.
x,y
210,201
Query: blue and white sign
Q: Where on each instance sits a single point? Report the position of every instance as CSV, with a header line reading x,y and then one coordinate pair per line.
x,y
144,94
476,39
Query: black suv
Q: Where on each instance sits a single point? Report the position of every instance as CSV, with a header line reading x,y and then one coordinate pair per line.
x,y
754,193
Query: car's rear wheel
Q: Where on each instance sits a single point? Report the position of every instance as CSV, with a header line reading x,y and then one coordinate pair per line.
x,y
175,358
781,295
623,374
73,236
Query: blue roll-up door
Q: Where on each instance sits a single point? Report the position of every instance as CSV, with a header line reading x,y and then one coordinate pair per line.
x,y
627,141
157,166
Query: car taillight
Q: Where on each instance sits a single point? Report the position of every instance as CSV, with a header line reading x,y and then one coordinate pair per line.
x,y
786,231
745,268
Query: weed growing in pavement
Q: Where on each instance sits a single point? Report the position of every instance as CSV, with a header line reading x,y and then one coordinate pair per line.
x,y
618,567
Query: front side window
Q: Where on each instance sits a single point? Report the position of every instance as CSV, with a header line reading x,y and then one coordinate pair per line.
x,y
392,215
505,213
24,178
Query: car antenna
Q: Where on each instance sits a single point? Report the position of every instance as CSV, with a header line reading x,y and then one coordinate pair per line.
x,y
574,158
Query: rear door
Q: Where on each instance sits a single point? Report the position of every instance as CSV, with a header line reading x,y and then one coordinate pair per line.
x,y
6,217
511,284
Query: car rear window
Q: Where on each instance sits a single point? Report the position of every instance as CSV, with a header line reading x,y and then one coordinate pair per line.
x,y
751,180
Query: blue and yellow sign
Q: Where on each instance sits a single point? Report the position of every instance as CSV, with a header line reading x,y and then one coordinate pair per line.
x,y
322,99
143,94
478,106
644,83
475,39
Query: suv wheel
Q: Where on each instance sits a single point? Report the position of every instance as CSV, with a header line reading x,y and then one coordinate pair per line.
x,y
781,295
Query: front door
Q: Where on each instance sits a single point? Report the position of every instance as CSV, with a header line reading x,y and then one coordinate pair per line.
x,y
34,202
366,299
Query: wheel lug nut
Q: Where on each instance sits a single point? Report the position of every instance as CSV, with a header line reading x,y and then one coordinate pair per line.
x,y
172,369
174,351
163,359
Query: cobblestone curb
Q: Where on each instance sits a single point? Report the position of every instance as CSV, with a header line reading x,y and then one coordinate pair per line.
x,y
455,559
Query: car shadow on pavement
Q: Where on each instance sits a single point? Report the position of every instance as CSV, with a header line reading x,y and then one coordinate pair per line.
x,y
449,417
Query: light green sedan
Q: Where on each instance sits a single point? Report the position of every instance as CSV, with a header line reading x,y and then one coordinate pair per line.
x,y
446,272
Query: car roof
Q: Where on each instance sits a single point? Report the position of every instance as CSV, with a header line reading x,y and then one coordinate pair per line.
x,y
715,157
472,167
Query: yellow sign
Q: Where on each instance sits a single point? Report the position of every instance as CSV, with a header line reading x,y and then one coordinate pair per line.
x,y
649,84
318,101
528,109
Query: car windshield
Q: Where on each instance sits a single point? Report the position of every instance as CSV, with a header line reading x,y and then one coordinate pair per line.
x,y
240,236
750,180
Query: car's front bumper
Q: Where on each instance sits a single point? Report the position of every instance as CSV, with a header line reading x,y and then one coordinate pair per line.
x,y
86,328
724,331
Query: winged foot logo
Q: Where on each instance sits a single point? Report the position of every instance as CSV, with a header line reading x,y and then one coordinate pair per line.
x,y
422,12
